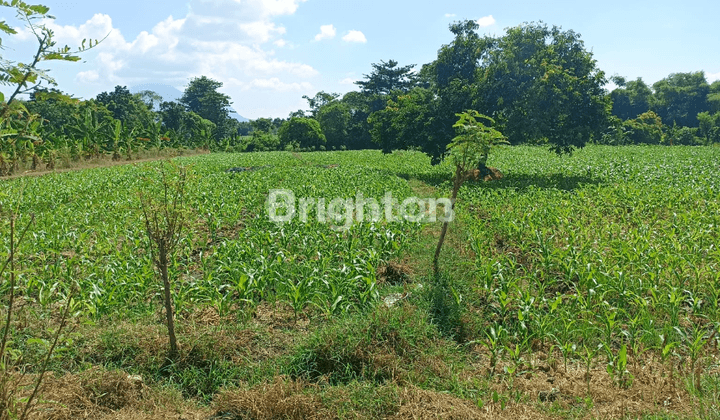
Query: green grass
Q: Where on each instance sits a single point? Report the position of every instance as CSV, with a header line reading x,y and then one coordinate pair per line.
x,y
566,261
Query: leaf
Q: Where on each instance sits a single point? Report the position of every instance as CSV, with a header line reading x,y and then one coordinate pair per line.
x,y
7,28
39,9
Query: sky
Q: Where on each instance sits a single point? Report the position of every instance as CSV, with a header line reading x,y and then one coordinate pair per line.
x,y
269,53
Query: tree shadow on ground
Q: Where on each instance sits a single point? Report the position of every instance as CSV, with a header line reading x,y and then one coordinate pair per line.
x,y
517,181
522,182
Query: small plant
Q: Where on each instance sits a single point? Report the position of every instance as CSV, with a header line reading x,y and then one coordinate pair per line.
x,y
12,407
617,368
165,218
467,150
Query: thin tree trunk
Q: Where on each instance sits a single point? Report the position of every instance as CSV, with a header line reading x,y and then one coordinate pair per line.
x,y
459,177
168,301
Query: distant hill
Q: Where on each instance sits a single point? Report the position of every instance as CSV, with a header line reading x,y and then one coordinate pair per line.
x,y
170,93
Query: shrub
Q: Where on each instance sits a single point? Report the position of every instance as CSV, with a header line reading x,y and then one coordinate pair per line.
x,y
305,132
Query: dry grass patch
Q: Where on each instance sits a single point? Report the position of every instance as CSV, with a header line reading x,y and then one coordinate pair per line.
x,y
284,398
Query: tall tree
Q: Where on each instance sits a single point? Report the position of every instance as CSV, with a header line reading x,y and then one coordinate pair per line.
x,y
320,99
334,119
713,97
452,78
302,133
544,86
680,97
631,99
359,107
125,106
387,77
202,97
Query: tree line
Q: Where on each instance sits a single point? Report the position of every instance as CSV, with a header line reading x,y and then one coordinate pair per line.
x,y
538,83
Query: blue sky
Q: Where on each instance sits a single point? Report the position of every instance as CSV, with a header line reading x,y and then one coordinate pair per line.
x,y
269,53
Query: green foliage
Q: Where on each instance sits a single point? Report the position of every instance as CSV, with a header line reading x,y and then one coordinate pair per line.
x,y
26,76
680,97
387,77
542,85
301,133
471,147
709,127
126,107
405,122
334,119
202,97
320,99
686,136
647,128
631,99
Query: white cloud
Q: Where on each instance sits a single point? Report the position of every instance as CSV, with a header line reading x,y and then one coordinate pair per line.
x,y
262,31
276,84
711,77
347,81
223,40
486,21
89,76
449,15
326,32
355,36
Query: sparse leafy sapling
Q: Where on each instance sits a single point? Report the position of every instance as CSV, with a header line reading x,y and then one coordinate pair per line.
x,y
468,150
165,216
26,77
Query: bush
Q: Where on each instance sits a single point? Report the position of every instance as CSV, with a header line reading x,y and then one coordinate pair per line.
x,y
684,136
262,142
304,133
645,129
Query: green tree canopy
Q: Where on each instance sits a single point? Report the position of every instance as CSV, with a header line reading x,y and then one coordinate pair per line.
x,y
202,97
680,97
320,99
544,86
303,133
334,119
713,97
387,77
631,99
125,106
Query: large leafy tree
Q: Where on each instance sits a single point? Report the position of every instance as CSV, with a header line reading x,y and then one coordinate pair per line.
x,y
713,97
544,86
386,77
452,78
358,130
630,99
202,97
320,99
302,133
680,97
126,107
406,122
334,119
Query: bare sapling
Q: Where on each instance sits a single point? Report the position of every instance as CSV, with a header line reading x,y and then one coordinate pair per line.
x,y
164,214
13,406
